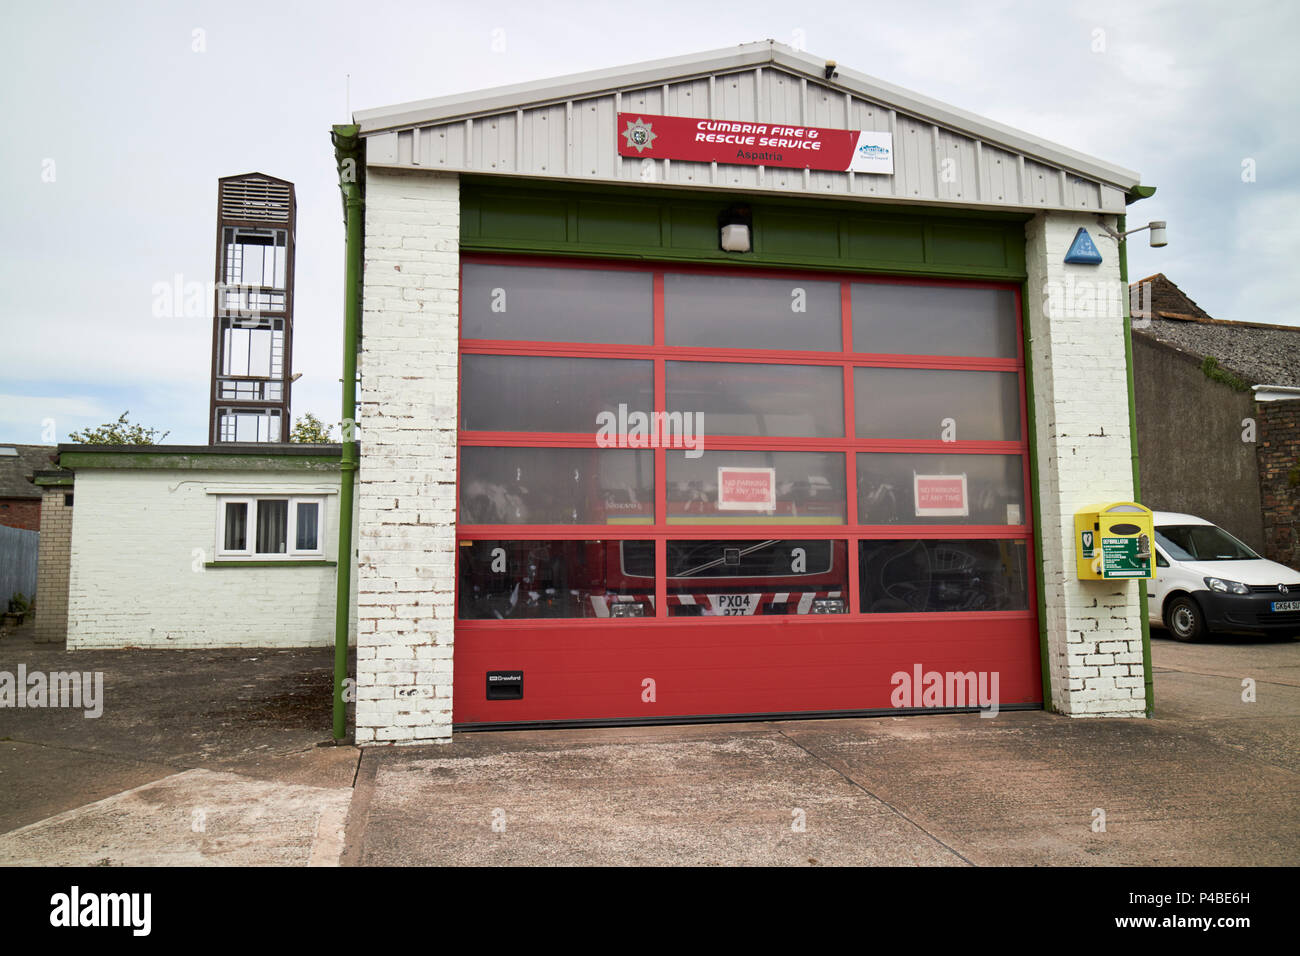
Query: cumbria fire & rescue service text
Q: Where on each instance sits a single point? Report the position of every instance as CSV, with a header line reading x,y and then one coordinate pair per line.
x,y
757,134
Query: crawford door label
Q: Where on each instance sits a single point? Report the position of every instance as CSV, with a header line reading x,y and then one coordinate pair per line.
x,y
644,135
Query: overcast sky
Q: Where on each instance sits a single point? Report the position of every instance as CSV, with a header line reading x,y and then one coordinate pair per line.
x,y
122,117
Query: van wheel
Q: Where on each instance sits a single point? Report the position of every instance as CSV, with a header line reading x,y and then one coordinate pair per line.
x,y
1184,620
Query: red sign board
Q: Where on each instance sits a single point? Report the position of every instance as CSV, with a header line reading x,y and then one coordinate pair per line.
x,y
746,489
647,136
940,496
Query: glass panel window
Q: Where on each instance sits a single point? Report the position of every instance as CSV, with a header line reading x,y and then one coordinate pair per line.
x,y
556,486
236,531
933,320
936,404
556,579
272,526
728,398
537,304
252,348
307,533
255,257
535,394
940,489
756,487
943,575
726,578
248,424
255,266
747,312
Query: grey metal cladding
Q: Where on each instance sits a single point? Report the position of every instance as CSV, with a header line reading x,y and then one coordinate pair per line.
x,y
566,129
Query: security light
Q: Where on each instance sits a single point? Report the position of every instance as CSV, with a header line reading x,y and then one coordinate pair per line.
x,y
734,226
1159,234
735,238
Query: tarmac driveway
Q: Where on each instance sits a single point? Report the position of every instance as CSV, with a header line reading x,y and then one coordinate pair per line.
x,y
212,758
1212,780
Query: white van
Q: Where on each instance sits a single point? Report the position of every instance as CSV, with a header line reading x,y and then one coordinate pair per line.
x,y
1209,582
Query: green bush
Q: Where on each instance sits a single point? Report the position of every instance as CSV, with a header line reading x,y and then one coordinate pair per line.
x,y
1213,371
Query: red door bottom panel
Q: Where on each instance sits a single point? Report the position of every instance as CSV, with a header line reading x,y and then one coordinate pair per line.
x,y
727,668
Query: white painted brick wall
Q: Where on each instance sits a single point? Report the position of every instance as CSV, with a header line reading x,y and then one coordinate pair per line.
x,y
407,482
133,583
1080,397
407,479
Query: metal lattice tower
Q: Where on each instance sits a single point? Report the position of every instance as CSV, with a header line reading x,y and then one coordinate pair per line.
x,y
252,329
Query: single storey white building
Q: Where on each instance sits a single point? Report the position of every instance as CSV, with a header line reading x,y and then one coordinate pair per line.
x,y
202,547
900,328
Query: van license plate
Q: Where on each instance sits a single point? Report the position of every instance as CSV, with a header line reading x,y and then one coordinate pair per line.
x,y
1286,605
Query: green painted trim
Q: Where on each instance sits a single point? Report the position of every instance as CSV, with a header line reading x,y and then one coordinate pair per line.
x,y
675,227
1137,194
637,191
1148,679
804,263
63,481
1031,428
196,461
269,564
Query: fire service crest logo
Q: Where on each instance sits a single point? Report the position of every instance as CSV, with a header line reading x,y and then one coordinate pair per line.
x,y
639,134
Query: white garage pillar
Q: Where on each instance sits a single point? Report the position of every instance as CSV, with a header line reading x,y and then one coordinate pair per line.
x,y
1076,333
407,481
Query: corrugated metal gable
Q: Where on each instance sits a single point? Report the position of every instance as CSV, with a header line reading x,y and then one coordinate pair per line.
x,y
576,138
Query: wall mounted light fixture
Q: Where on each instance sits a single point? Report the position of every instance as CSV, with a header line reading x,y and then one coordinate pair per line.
x,y
735,229
1159,233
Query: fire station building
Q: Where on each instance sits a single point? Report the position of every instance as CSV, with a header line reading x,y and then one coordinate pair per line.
x,y
731,386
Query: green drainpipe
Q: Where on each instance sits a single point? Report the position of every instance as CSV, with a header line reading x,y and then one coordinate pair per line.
x,y
348,152
1031,426
1141,192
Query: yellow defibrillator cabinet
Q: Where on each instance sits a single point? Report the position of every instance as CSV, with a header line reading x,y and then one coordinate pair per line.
x,y
1114,541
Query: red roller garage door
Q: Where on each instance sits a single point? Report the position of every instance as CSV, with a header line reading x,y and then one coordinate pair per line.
x,y
692,493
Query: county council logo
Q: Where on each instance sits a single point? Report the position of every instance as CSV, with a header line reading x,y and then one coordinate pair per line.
x,y
640,134
871,151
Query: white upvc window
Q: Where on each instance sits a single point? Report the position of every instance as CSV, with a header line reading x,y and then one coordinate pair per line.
x,y
270,526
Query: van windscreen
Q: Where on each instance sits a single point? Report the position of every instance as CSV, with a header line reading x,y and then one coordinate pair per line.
x,y
1202,542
